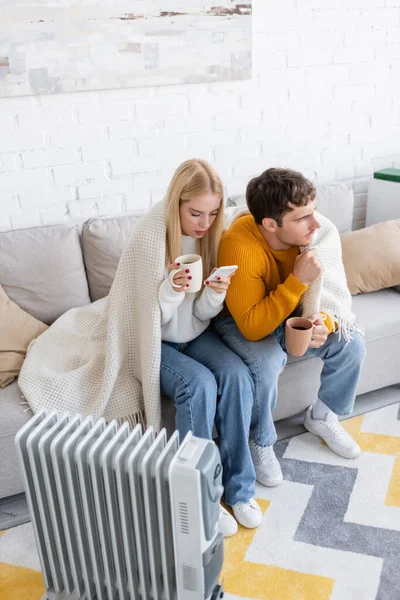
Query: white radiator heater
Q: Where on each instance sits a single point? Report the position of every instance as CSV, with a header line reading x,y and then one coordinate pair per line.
x,y
121,514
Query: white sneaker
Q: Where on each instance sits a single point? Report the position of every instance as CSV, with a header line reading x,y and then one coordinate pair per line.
x,y
248,513
226,523
333,434
266,465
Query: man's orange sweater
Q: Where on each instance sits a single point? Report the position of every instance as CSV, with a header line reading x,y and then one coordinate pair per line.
x,y
263,292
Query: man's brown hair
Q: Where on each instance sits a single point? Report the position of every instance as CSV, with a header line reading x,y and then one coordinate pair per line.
x,y
269,194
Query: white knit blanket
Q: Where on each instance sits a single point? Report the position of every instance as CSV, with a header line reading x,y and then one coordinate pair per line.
x,y
104,359
329,294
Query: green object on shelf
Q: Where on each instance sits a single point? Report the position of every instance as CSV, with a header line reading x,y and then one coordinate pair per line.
x,y
388,175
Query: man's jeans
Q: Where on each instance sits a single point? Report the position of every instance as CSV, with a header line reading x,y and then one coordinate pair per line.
x,y
194,374
267,358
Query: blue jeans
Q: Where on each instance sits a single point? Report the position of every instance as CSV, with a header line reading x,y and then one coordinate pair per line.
x,y
267,358
194,375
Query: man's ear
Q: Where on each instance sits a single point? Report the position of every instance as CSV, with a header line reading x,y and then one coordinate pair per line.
x,y
269,224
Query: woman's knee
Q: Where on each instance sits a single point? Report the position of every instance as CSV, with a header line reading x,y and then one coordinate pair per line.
x,y
201,385
236,375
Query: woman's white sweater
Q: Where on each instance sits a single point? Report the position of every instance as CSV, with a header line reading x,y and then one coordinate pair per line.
x,y
185,316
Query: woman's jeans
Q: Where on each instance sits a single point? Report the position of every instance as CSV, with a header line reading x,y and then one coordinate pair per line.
x,y
194,375
267,358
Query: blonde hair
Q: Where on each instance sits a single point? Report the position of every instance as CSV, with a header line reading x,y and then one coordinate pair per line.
x,y
193,178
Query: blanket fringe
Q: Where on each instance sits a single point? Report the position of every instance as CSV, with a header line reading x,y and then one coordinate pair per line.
x,y
25,403
138,418
346,328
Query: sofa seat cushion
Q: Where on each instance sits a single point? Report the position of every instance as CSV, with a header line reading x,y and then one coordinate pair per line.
x,y
12,419
42,270
103,241
379,313
12,411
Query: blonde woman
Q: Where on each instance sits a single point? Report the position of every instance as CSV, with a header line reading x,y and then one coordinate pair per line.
x,y
207,381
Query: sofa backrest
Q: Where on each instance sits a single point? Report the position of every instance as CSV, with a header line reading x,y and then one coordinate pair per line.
x,y
103,241
42,270
334,200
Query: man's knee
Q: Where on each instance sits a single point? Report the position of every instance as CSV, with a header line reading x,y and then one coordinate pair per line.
x,y
269,359
357,348
265,356
353,351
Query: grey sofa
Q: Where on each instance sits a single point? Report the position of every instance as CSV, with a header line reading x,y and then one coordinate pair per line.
x,y
47,270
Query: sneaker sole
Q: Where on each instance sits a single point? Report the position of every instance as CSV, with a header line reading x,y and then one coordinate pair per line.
x,y
229,534
334,450
270,482
248,526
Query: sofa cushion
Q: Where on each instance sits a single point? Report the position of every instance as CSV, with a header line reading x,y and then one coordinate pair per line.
x,y
12,419
103,241
379,314
41,270
18,329
13,405
334,200
371,257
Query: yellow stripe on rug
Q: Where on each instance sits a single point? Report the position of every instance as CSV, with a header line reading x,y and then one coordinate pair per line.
x,y
20,583
381,444
393,495
266,582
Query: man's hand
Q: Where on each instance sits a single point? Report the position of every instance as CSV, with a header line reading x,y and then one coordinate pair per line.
x,y
307,267
320,332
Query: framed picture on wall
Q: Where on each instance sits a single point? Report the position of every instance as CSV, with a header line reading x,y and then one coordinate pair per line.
x,y
75,45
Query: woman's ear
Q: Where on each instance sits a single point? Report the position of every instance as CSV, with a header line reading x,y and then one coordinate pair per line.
x,y
269,224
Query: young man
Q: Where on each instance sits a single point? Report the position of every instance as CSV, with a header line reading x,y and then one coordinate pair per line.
x,y
266,289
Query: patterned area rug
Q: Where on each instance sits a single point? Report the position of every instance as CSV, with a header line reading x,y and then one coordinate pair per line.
x,y
331,531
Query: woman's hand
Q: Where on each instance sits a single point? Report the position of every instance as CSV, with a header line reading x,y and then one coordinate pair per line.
x,y
181,279
221,285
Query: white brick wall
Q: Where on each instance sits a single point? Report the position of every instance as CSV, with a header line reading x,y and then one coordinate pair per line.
x,y
324,99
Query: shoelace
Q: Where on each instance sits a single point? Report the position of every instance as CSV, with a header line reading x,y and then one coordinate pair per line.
x,y
265,453
337,430
241,506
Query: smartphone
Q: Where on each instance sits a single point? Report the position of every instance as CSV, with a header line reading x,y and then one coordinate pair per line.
x,y
222,272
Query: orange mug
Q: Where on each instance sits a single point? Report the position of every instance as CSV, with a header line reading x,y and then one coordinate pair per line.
x,y
298,332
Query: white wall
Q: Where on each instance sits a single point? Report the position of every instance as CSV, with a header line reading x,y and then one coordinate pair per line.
x,y
324,99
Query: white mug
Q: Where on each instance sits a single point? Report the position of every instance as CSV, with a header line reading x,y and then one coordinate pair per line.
x,y
194,263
